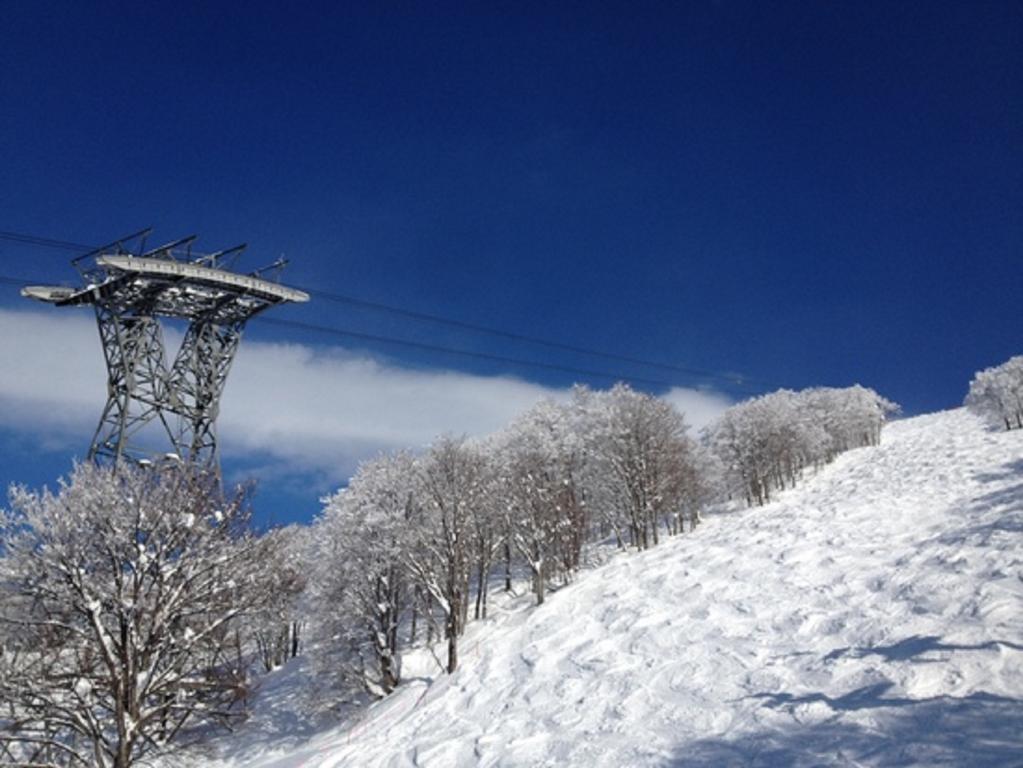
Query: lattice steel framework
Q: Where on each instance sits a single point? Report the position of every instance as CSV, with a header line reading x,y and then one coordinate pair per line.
x,y
131,289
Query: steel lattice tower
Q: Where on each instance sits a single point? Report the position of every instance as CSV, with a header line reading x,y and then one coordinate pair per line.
x,y
130,291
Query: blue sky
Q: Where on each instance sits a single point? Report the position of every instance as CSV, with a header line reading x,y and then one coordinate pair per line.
x,y
800,193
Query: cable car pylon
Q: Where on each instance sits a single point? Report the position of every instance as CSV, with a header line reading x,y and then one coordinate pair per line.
x,y
151,403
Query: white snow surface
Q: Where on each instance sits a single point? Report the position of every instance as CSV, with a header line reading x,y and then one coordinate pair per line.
x,y
871,616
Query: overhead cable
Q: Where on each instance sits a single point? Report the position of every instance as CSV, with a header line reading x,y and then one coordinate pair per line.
x,y
732,380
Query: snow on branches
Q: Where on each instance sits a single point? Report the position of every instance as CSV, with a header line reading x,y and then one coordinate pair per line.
x,y
118,594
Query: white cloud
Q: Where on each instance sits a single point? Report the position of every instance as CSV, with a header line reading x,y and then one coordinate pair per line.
x,y
317,410
319,407
52,379
701,406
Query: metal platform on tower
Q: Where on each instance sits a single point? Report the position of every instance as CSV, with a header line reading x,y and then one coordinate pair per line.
x,y
131,289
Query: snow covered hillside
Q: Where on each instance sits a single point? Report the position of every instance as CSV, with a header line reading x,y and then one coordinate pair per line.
x,y
872,616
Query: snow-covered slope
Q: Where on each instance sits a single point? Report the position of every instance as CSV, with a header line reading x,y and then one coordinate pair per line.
x,y
872,616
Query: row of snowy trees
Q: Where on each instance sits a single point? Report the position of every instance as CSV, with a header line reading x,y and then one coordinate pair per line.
x,y
996,394
409,548
765,443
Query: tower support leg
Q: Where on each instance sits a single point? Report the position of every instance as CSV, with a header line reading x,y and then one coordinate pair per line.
x,y
197,379
136,383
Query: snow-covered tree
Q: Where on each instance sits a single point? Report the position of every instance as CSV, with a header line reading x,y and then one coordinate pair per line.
x,y
862,414
996,394
528,493
118,598
276,625
362,590
540,458
489,528
643,458
452,480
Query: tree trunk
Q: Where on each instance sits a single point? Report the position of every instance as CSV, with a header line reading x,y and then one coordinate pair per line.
x,y
507,566
429,618
452,633
122,758
463,618
388,671
479,593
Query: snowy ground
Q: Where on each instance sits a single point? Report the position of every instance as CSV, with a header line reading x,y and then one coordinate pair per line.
x,y
872,616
